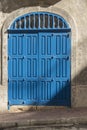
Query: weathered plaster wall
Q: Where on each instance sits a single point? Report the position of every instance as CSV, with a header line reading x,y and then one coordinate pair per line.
x,y
75,12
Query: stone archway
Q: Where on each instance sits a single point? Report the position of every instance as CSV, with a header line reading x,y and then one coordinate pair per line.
x,y
4,41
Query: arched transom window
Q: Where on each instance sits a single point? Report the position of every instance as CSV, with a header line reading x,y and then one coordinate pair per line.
x,y
39,20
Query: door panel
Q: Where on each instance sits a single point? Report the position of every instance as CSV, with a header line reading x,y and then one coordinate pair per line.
x,y
45,68
22,69
31,61
54,63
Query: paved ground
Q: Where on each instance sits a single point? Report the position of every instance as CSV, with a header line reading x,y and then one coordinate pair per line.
x,y
53,114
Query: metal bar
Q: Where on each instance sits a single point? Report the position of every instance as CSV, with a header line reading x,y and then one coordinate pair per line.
x,y
36,30
34,21
48,21
24,22
58,22
19,23
62,23
43,20
53,21
29,21
39,20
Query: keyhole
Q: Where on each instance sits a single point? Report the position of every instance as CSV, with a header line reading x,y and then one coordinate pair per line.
x,y
23,80
52,80
23,57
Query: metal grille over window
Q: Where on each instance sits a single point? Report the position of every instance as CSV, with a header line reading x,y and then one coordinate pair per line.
x,y
40,20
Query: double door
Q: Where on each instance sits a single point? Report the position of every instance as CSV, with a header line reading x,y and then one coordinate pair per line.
x,y
39,69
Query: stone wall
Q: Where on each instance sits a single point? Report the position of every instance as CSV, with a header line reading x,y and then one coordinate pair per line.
x,y
75,13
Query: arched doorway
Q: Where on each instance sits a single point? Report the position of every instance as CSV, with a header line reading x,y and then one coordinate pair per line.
x,y
39,49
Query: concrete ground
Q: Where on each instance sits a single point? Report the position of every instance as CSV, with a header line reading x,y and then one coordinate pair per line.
x,y
44,117
44,114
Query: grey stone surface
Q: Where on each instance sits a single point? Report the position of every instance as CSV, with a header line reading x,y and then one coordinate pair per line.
x,y
40,125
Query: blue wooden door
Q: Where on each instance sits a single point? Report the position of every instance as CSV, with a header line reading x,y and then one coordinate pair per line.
x,y
54,69
22,68
16,69
39,69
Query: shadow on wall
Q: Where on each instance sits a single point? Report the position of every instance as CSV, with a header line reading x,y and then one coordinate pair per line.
x,y
82,77
79,79
8,6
